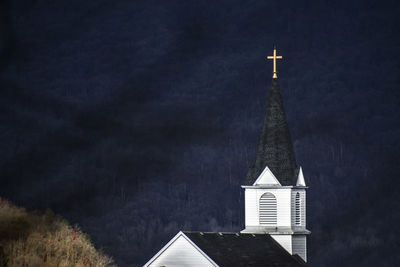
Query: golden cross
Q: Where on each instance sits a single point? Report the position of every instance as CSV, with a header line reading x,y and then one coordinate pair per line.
x,y
274,57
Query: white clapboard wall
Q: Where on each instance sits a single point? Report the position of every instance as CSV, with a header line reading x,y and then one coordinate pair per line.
x,y
283,206
299,246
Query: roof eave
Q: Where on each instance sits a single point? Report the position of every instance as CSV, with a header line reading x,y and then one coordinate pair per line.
x,y
273,186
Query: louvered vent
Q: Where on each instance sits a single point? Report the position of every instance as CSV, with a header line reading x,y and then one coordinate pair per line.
x,y
297,209
268,209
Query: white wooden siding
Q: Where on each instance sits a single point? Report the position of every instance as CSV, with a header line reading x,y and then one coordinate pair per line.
x,y
294,244
303,208
286,215
299,246
251,210
180,252
283,204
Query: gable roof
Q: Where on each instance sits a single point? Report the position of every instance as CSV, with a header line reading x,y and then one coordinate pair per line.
x,y
236,249
192,251
275,148
267,177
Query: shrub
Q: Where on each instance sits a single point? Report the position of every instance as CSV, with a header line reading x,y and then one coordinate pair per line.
x,y
34,239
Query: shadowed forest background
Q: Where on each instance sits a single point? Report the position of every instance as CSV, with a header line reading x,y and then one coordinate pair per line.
x,y
137,119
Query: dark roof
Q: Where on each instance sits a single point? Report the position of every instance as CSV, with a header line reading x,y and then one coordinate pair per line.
x,y
275,148
234,249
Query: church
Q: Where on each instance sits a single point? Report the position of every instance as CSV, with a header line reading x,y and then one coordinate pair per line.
x,y
275,231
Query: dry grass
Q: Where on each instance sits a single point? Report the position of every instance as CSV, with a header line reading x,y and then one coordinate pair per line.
x,y
33,239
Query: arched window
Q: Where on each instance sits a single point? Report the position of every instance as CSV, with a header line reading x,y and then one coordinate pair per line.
x,y
298,209
268,209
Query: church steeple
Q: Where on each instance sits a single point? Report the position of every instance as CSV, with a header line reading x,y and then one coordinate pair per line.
x,y
275,189
275,149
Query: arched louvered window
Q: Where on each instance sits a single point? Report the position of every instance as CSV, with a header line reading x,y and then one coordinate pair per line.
x,y
268,209
298,209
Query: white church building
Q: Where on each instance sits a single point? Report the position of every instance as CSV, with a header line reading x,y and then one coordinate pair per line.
x,y
275,231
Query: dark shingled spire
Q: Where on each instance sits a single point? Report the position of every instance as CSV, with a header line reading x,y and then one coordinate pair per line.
x,y
275,148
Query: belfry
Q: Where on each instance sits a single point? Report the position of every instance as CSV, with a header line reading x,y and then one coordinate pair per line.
x,y
275,190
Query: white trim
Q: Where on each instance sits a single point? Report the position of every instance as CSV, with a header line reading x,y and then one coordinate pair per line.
x,y
267,173
172,241
275,230
273,187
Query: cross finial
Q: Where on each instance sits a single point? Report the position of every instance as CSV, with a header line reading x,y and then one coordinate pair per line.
x,y
274,58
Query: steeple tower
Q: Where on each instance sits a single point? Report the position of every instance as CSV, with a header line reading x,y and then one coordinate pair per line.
x,y
275,190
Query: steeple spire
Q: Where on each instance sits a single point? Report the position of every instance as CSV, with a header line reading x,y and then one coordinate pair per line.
x,y
275,149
